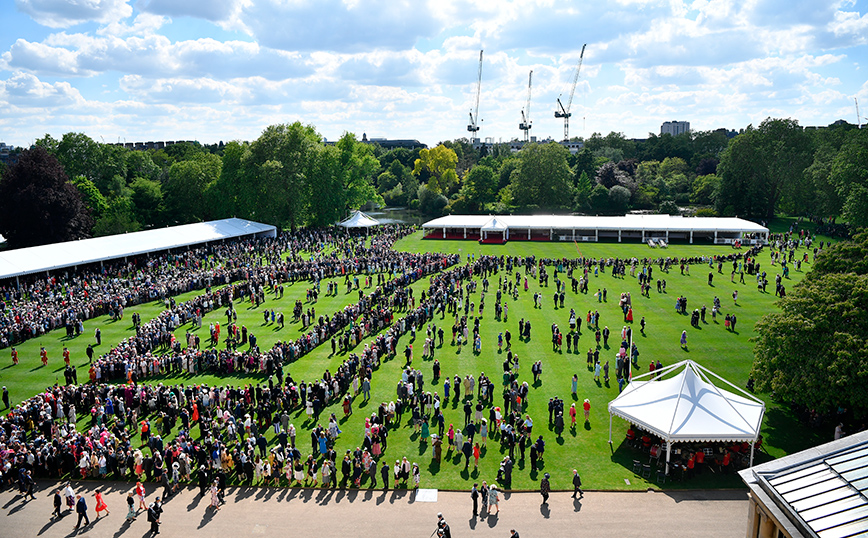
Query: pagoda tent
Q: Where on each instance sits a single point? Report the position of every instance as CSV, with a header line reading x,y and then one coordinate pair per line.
x,y
685,406
358,220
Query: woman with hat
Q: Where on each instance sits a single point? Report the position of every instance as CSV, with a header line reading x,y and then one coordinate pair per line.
x,y
545,488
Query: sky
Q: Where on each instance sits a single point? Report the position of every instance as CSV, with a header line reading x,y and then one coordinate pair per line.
x,y
220,70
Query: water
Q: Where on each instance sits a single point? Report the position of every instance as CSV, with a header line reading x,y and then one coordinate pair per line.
x,y
397,215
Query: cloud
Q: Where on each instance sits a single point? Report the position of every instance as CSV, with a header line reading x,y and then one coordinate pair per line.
x,y
339,26
154,55
66,13
25,90
43,59
211,10
177,91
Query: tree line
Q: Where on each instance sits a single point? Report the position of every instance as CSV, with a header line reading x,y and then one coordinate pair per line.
x,y
290,177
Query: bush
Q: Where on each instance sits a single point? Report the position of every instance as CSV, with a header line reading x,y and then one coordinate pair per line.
x,y
706,212
430,202
668,207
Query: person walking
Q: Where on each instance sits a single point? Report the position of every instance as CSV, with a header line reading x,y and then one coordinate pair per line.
x,y
81,509
577,484
155,509
587,407
58,502
493,499
683,339
474,495
215,499
140,493
28,485
545,488
100,504
513,533
131,507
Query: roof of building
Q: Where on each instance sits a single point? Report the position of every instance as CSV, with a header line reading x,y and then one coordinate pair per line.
x,y
626,222
25,261
819,492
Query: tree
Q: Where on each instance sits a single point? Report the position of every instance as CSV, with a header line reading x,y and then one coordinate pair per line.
x,y
95,201
277,172
668,207
764,166
850,173
118,218
583,191
186,185
704,189
610,175
480,186
814,352
147,199
583,162
619,199
430,202
599,199
38,204
440,162
542,177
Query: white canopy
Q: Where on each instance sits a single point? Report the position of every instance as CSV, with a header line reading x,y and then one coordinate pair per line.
x,y
359,220
43,258
495,225
688,407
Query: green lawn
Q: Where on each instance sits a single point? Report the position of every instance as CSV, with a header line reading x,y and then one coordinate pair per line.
x,y
729,354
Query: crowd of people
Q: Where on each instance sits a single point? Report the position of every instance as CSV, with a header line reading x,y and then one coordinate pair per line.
x,y
218,433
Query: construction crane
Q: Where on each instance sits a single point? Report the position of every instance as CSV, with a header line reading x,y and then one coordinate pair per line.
x,y
564,112
474,114
525,124
858,117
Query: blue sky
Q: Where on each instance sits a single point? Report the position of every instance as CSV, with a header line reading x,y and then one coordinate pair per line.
x,y
212,70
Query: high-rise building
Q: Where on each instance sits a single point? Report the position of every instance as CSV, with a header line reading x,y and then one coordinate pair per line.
x,y
675,128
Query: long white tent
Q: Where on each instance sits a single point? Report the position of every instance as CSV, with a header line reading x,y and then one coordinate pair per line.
x,y
25,261
720,230
688,407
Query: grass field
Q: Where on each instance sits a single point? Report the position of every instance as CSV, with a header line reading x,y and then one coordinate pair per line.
x,y
727,353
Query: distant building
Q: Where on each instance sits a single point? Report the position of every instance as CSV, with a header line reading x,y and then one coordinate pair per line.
x,y
516,145
8,154
386,143
674,128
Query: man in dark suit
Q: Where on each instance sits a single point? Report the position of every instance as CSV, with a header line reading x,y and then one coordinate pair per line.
x,y
154,511
81,509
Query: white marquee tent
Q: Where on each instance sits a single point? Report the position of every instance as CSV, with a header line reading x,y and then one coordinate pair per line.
x,y
687,407
25,261
359,220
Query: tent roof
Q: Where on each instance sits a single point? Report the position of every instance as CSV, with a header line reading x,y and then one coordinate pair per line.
x,y
25,261
495,225
359,220
688,407
654,223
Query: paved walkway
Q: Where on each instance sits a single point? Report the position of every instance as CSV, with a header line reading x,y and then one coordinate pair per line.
x,y
336,513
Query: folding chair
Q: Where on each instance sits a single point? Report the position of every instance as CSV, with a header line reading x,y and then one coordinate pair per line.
x,y
646,470
637,467
661,476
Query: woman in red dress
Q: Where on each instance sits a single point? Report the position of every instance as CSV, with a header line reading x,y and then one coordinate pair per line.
x,y
100,504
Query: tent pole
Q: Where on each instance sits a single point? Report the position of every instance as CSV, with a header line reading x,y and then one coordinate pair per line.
x,y
751,452
668,454
610,428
